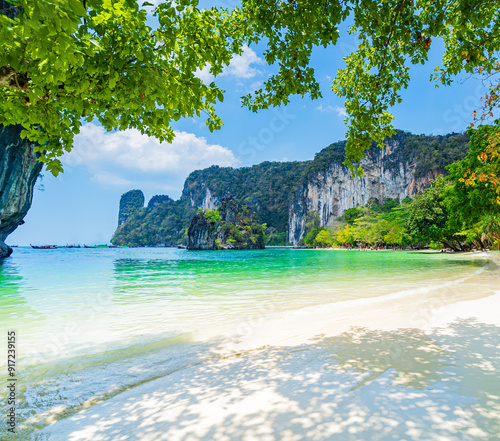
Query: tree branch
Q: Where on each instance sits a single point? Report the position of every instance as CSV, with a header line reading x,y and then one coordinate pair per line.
x,y
7,9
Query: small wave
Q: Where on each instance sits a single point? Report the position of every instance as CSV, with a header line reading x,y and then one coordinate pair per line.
x,y
64,389
348,304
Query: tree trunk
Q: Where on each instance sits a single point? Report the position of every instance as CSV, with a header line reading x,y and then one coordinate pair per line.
x,y
19,170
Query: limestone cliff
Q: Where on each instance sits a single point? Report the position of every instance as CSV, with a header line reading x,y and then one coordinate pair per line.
x,y
19,170
266,187
282,193
232,226
130,203
202,233
389,172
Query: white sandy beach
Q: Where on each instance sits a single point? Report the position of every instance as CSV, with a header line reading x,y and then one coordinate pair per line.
x,y
419,365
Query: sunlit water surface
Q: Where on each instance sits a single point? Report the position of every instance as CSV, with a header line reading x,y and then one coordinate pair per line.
x,y
93,322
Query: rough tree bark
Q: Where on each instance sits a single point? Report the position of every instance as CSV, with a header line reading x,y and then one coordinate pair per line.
x,y
19,170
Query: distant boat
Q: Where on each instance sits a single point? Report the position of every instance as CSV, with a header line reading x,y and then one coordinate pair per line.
x,y
181,247
43,247
100,246
73,246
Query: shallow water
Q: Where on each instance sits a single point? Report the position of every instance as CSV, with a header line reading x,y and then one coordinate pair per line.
x,y
94,322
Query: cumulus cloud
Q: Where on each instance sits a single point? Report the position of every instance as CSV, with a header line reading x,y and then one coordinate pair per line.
x,y
127,157
204,74
240,67
330,109
132,150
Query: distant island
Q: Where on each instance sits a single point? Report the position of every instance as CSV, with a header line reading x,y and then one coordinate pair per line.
x,y
283,195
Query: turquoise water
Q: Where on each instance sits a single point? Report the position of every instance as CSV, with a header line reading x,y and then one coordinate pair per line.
x,y
94,322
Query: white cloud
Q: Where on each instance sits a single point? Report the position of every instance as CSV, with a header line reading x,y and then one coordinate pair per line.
x,y
111,179
128,157
240,65
204,74
256,85
340,111
329,109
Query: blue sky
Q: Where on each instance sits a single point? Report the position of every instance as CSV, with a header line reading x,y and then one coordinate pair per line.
x,y
81,205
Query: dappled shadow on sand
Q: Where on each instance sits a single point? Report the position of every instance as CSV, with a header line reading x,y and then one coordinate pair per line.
x,y
361,385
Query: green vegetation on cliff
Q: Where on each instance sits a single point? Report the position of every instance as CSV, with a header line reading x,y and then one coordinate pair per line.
x,y
231,226
163,222
130,203
265,187
460,211
268,188
430,153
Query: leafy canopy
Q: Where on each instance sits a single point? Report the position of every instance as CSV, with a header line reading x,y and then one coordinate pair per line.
x,y
462,210
473,193
393,34
478,174
63,63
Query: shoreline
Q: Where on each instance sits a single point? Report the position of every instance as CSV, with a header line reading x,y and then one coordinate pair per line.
x,y
413,309
423,251
231,396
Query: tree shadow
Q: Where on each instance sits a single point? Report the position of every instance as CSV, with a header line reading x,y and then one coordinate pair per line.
x,y
360,385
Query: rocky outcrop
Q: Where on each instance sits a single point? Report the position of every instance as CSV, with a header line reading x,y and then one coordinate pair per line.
x,y
209,201
283,193
233,212
266,187
19,170
158,200
232,226
19,167
130,203
388,173
202,233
